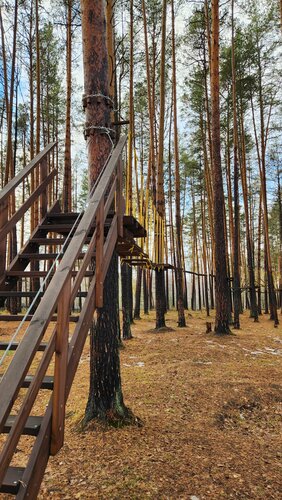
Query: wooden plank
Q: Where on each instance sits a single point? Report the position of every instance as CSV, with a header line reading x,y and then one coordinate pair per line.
x,y
42,274
15,293
109,246
47,382
4,345
57,227
3,241
134,226
82,271
19,317
99,254
38,256
60,372
19,423
12,480
10,187
26,205
44,196
49,241
80,333
63,215
110,197
31,427
120,204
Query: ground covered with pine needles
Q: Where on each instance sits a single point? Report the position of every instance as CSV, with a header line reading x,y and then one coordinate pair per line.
x,y
212,419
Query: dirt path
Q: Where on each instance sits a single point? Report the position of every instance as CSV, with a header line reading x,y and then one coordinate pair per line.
x,y
212,417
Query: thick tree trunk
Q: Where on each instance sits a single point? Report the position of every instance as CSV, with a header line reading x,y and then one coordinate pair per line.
x,y
105,399
138,294
159,274
145,292
160,298
67,182
178,271
236,261
221,282
126,318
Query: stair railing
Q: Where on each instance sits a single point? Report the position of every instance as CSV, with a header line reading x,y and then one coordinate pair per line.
x,y
59,296
41,192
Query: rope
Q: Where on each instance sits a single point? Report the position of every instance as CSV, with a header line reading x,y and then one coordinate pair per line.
x,y
102,129
108,98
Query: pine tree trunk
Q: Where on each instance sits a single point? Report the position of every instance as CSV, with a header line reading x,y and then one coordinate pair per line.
x,y
159,274
253,299
178,270
236,263
126,318
138,293
105,399
259,257
221,282
67,182
145,292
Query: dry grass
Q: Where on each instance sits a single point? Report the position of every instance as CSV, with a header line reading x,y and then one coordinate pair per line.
x,y
211,408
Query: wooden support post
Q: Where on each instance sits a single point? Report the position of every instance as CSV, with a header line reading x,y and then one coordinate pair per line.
x,y
119,198
43,198
99,254
60,373
3,242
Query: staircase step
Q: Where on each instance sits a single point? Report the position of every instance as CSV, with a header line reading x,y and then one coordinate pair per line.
x,y
14,346
63,215
41,274
38,256
12,480
31,428
15,293
45,256
57,228
49,241
47,383
19,317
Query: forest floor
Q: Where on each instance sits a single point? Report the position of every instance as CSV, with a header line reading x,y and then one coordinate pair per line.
x,y
212,419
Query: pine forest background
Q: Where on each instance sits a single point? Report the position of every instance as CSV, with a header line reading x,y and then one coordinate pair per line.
x,y
41,89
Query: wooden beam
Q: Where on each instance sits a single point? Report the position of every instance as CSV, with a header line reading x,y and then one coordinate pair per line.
x,y
11,186
21,211
60,373
100,255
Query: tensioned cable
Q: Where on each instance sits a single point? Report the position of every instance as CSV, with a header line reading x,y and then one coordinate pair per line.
x,y
41,289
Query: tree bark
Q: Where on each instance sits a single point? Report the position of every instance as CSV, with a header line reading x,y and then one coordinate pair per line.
x,y
221,282
67,182
160,278
236,263
178,271
126,317
105,399
138,294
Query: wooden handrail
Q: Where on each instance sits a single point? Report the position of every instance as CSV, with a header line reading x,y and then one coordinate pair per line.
x,y
13,183
26,205
7,224
59,287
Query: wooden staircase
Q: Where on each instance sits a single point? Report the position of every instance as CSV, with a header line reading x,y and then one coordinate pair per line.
x,y
67,256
